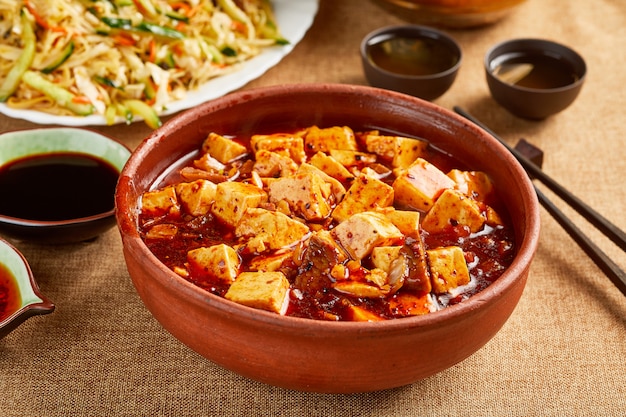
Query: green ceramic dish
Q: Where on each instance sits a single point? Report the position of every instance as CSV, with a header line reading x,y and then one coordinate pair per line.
x,y
17,282
47,141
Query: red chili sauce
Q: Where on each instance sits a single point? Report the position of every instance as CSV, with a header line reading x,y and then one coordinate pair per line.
x,y
9,293
488,253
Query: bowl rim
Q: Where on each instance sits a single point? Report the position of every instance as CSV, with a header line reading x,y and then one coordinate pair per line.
x,y
420,30
89,135
134,246
536,45
32,301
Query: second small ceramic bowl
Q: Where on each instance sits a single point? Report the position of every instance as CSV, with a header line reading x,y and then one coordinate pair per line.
x,y
411,59
534,78
20,297
60,182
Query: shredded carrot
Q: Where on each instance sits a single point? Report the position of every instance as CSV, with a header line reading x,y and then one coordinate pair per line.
x,y
124,39
40,20
181,5
180,26
153,51
238,26
178,49
140,7
81,100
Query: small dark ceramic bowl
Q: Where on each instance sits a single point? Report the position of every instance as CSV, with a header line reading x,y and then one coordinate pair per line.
x,y
20,297
557,76
49,141
314,355
411,59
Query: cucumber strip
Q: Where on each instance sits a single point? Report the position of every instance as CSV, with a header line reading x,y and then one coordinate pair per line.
x,y
63,97
22,64
235,13
65,54
145,111
159,30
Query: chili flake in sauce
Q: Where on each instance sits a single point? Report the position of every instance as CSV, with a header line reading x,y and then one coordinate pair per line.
x,y
329,224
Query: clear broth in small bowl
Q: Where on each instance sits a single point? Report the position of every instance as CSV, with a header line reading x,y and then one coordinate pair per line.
x,y
539,71
411,56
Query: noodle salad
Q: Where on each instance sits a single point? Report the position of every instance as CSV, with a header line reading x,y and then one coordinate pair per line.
x,y
123,58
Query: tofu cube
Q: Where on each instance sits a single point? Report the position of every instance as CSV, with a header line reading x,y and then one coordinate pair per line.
x,y
358,313
331,166
272,262
349,158
306,194
196,197
400,151
452,208
383,256
336,186
232,199
262,290
474,184
291,146
361,233
273,165
222,149
448,269
420,184
219,262
160,202
407,304
365,194
269,230
336,137
408,222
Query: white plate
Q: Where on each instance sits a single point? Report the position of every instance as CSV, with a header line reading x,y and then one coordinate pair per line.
x,y
294,18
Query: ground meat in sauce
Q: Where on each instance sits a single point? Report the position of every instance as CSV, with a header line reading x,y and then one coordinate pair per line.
x,y
312,265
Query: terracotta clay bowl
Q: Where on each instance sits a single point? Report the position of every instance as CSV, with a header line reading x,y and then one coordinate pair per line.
x,y
311,355
457,14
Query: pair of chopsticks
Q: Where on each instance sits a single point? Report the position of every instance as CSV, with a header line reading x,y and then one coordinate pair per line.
x,y
616,235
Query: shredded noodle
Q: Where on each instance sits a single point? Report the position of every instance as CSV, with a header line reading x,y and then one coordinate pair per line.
x,y
111,54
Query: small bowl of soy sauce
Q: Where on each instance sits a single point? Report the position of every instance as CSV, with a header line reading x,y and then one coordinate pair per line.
x,y
534,78
412,59
58,184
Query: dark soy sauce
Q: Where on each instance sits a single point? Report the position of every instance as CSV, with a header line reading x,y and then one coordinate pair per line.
x,y
59,186
408,56
548,71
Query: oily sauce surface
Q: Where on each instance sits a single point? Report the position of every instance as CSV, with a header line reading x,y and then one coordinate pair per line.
x,y
414,57
547,71
9,293
57,186
487,254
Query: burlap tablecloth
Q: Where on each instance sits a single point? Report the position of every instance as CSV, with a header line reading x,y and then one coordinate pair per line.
x,y
563,351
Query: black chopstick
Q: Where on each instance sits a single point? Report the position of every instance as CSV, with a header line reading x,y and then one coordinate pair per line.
x,y
610,268
610,230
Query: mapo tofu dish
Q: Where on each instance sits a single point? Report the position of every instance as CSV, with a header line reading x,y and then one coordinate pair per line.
x,y
329,223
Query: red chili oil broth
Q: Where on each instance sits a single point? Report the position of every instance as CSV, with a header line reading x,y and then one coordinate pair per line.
x,y
207,231
9,293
